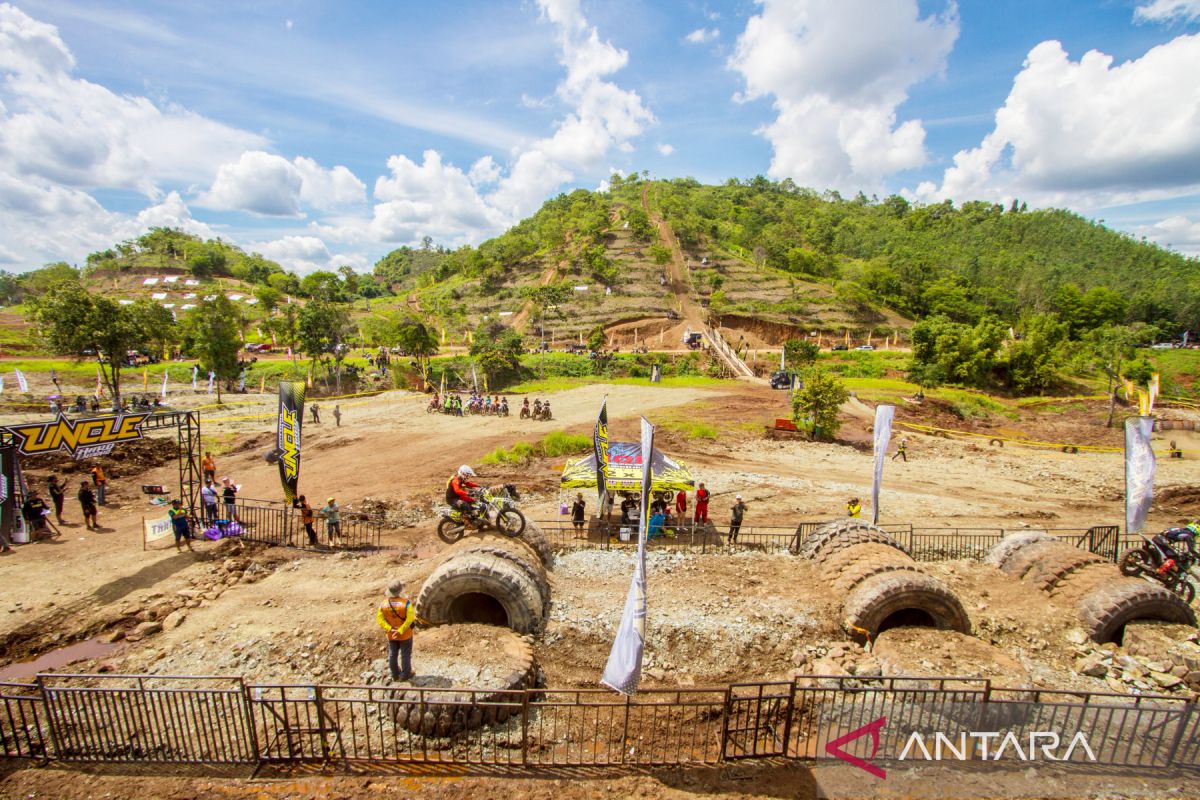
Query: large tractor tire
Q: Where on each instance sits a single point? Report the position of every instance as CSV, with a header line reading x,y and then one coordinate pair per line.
x,y
901,599
854,538
859,529
849,567
1026,558
483,588
1107,608
1009,546
1056,567
515,551
536,538
507,663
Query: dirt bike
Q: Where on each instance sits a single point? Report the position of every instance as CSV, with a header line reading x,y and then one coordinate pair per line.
x,y
494,509
434,407
1161,562
543,414
524,412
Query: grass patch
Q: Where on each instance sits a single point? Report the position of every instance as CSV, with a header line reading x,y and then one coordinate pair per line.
x,y
552,445
550,385
692,430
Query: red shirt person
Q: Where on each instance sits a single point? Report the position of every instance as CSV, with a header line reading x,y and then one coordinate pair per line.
x,y
701,504
681,503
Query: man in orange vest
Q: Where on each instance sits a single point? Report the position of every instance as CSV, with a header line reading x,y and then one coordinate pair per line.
x,y
396,616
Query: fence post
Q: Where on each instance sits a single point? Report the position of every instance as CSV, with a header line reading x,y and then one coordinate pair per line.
x,y
787,722
525,728
251,728
1188,710
625,727
725,708
50,727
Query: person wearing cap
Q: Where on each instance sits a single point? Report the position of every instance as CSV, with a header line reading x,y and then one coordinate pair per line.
x,y
58,495
396,615
179,525
87,503
737,513
853,508
333,522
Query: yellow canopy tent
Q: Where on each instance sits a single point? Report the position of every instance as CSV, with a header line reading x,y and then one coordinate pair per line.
x,y
625,471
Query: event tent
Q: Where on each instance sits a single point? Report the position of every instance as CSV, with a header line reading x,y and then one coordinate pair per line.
x,y
625,471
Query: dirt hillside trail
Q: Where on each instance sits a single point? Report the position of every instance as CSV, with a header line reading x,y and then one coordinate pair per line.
x,y
520,320
687,308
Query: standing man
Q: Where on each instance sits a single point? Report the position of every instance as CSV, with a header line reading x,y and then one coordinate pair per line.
x,y
315,410
101,483
577,514
853,508
681,506
337,415
87,502
333,522
208,499
307,518
701,505
229,495
209,465
57,495
737,513
901,451
396,616
179,525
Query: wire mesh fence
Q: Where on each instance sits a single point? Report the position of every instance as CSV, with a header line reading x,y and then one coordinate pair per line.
x,y
868,721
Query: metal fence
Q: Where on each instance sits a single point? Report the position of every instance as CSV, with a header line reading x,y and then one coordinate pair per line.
x,y
282,526
923,543
89,718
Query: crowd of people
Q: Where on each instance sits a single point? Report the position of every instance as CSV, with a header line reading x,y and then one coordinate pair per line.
x,y
452,403
668,512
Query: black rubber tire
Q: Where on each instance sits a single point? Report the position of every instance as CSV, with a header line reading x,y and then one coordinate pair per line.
x,y
1187,591
450,531
848,558
1109,607
1133,562
510,522
1025,559
516,551
536,538
479,573
1052,570
822,536
461,711
854,538
1009,546
877,598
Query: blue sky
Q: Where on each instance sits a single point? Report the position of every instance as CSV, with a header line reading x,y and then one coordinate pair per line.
x,y
323,133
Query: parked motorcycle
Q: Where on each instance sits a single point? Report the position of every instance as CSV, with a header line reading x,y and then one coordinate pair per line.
x,y
1160,560
495,509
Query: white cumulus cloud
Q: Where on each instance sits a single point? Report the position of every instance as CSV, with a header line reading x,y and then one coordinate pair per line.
x,y
836,71
270,185
305,254
1090,132
1179,233
703,35
1168,11
666,149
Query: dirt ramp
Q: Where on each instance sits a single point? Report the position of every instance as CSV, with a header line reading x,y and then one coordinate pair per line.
x,y
1108,608
901,600
840,534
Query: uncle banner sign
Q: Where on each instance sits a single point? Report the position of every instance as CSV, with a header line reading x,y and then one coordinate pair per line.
x,y
78,438
287,439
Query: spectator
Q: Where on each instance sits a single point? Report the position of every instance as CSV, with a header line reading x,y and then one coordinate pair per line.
x,y
208,499
57,495
229,495
87,502
315,410
701,505
95,405
34,510
901,451
209,466
853,508
179,525
307,518
5,544
681,505
737,513
337,415
656,523
101,481
396,616
628,504
333,522
578,509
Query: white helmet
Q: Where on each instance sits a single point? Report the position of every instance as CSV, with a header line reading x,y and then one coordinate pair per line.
x,y
465,471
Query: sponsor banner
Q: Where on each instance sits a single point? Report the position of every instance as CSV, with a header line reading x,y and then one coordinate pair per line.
x,y
883,435
78,438
600,452
624,471
1139,472
156,529
623,672
8,490
287,439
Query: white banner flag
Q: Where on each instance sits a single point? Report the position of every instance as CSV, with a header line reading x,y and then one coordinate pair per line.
x,y
242,381
1139,472
24,384
211,376
195,372
1,384
623,672
164,386
883,435
155,529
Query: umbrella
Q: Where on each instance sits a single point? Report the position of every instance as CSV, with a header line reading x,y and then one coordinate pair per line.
x,y
625,471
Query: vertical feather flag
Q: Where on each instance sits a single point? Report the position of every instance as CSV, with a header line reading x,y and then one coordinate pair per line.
x,y
600,450
623,672
883,435
195,372
1154,389
166,373
1139,472
24,384
145,379
211,377
1,384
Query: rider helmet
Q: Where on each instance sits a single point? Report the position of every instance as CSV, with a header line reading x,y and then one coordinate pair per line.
x,y
1194,527
465,471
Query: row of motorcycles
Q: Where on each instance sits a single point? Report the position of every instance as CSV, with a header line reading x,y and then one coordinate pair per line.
x,y
1168,558
475,405
540,410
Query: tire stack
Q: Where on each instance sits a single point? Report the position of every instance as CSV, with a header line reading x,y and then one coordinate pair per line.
x,y
882,585
1105,599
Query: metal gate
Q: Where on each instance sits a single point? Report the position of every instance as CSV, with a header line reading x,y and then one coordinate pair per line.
x,y
758,720
1104,541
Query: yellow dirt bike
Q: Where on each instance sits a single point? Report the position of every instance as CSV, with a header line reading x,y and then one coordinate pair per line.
x,y
495,509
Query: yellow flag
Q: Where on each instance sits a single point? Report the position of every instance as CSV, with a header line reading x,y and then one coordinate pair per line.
x,y
1130,389
1143,403
485,386
145,379
262,385
309,379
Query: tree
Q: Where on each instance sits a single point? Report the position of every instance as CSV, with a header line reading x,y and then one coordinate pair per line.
x,y
661,255
800,353
286,327
498,349
211,335
818,402
595,339
1033,361
414,338
79,324
1107,349
324,285
322,328
268,298
944,351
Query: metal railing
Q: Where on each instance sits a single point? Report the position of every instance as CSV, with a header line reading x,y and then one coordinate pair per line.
x,y
144,719
282,526
923,543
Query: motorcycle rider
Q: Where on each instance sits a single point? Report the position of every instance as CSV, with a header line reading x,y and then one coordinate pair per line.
x,y
525,409
546,410
537,409
504,407
1164,550
458,490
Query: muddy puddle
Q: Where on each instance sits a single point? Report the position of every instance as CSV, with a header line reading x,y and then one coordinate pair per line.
x,y
56,659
